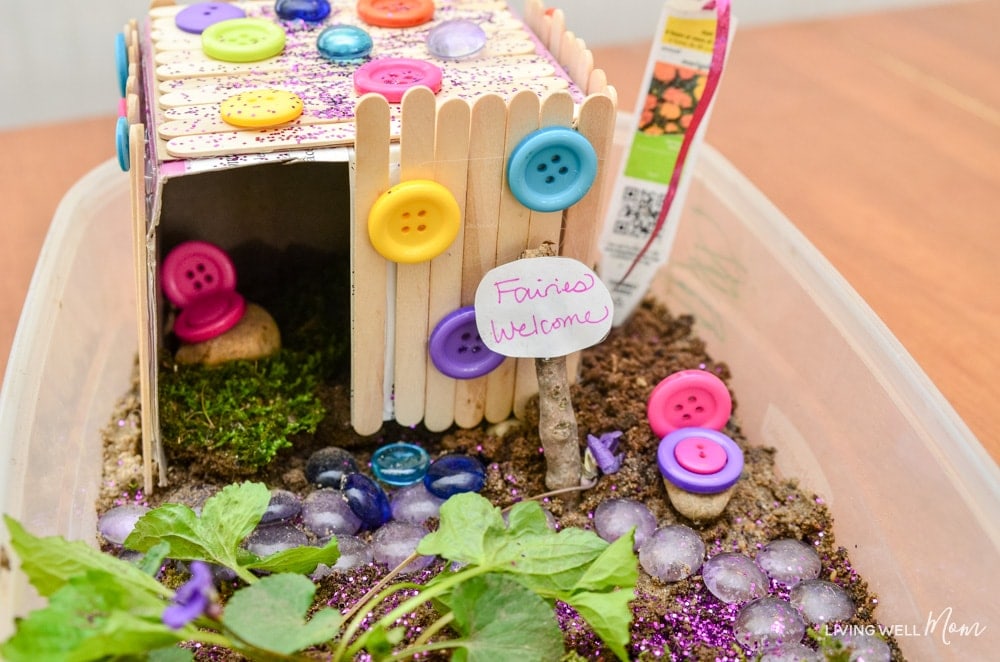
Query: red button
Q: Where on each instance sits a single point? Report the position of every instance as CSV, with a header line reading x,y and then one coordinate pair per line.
x,y
689,398
393,76
700,455
210,316
395,13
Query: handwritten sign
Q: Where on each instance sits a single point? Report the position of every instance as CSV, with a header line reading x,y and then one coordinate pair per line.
x,y
542,307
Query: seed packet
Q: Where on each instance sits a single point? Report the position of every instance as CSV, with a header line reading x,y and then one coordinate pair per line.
x,y
682,73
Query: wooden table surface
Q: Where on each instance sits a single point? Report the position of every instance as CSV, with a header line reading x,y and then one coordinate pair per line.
x,y
878,135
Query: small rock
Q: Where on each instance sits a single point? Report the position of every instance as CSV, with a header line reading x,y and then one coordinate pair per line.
x,y
414,504
255,336
325,512
354,552
274,538
282,506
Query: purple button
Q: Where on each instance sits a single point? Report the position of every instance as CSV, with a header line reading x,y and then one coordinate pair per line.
x,y
195,18
723,478
456,348
456,39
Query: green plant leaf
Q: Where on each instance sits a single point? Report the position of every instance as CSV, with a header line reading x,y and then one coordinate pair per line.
x,y
152,561
616,566
467,522
92,616
500,620
52,561
527,517
301,560
271,615
608,614
227,518
171,654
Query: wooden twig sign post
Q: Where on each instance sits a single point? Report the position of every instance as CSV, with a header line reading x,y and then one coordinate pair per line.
x,y
545,308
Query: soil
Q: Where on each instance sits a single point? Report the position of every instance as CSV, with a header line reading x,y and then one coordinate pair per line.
x,y
680,620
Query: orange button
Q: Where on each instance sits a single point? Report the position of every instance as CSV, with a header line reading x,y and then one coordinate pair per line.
x,y
395,13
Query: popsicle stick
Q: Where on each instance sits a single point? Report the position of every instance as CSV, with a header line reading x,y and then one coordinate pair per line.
x,y
598,82
451,168
368,268
416,156
582,66
512,237
534,11
557,110
268,140
482,214
557,29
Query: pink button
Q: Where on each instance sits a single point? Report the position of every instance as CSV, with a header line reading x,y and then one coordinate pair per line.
x,y
393,76
689,398
210,316
700,455
195,268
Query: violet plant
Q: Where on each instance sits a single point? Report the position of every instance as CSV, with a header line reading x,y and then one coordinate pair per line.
x,y
498,606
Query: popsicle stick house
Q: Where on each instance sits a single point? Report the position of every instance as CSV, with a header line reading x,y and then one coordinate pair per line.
x,y
313,181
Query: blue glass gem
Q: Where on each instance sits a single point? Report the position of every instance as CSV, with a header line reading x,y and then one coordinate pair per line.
x,y
328,466
456,39
306,10
344,43
400,464
453,474
367,500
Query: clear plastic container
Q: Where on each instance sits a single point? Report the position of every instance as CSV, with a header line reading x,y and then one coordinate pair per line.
x,y
816,375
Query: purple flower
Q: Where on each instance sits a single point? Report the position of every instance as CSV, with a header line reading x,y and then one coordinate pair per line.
x,y
192,598
603,451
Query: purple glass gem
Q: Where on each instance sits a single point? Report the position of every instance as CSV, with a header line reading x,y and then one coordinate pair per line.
x,y
116,524
768,622
325,512
791,653
456,39
368,501
734,577
282,506
788,561
396,541
195,18
306,10
672,553
821,602
614,517
354,552
866,647
453,474
414,504
274,538
328,466
714,483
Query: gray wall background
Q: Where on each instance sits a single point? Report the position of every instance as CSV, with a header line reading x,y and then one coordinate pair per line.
x,y
57,57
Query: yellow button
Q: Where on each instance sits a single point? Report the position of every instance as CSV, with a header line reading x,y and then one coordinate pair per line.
x,y
260,109
414,221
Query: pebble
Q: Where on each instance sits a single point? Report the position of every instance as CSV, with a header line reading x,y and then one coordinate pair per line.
x,y
791,653
400,464
116,524
865,647
394,542
453,474
414,504
255,336
734,577
328,466
821,602
767,623
788,561
284,505
368,501
354,552
672,553
614,517
325,512
274,538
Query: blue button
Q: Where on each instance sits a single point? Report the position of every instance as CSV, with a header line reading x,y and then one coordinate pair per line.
x,y
551,169
344,43
400,464
121,62
122,144
306,10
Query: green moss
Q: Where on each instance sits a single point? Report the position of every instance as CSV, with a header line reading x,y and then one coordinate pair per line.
x,y
242,412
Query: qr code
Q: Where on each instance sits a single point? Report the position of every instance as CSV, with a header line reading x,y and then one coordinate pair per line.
x,y
638,213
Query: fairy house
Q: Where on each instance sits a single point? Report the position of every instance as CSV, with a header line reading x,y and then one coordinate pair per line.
x,y
401,111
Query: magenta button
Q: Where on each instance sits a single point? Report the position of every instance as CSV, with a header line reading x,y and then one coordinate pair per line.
x,y
195,268
689,398
210,316
393,76
682,468
700,455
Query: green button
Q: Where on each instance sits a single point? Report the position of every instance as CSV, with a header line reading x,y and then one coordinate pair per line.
x,y
243,40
